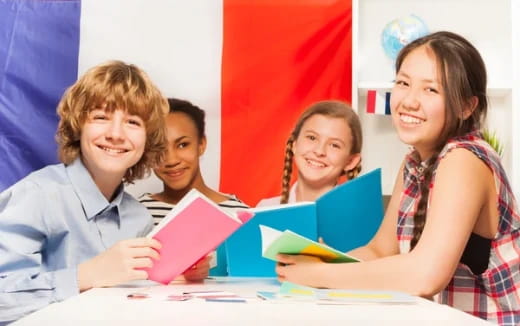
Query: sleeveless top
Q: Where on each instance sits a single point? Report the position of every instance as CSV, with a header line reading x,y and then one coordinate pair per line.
x,y
494,293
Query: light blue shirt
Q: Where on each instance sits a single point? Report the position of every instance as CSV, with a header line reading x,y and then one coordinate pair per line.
x,y
51,221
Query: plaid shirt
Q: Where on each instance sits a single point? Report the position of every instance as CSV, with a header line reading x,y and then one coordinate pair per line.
x,y
494,294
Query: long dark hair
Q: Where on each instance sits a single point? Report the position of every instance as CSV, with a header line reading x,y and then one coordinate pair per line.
x,y
463,78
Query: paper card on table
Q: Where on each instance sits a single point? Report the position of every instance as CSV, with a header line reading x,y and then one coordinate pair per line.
x,y
211,294
267,295
291,290
191,230
287,242
288,289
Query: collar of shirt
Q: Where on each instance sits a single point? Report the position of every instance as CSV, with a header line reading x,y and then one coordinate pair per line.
x,y
416,167
292,193
91,198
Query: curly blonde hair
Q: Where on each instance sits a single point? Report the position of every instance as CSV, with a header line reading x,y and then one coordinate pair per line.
x,y
114,85
333,109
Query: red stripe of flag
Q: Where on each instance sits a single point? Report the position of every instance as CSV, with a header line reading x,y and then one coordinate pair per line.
x,y
371,101
278,57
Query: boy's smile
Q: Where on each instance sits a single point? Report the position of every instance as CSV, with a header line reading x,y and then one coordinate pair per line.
x,y
111,142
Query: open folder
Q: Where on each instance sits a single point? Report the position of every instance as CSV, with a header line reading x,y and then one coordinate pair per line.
x,y
287,242
190,231
346,217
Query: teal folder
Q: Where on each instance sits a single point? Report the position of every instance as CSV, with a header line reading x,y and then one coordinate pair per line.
x,y
346,217
221,268
244,247
350,214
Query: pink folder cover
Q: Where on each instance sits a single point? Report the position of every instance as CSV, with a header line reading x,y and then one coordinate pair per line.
x,y
197,230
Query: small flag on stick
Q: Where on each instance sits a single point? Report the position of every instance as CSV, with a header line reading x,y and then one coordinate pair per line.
x,y
378,102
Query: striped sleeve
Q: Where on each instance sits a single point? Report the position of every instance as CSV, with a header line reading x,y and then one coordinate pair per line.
x,y
157,209
233,203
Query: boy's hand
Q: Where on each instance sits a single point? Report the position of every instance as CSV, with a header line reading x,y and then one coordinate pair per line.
x,y
199,271
118,264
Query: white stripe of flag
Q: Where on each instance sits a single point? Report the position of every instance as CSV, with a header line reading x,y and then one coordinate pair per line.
x,y
378,102
181,53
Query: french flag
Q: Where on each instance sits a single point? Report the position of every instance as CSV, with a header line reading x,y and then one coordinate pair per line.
x,y
253,66
378,102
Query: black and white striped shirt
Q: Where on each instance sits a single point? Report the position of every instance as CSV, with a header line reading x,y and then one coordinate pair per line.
x,y
159,209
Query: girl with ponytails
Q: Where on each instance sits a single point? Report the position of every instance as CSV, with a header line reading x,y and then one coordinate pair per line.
x,y
451,229
324,145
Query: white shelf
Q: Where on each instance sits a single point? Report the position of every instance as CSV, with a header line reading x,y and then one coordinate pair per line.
x,y
363,87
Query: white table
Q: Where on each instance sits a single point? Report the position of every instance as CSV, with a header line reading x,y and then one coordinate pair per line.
x,y
110,306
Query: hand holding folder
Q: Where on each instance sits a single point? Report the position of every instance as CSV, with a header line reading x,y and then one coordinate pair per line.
x,y
189,232
276,242
346,217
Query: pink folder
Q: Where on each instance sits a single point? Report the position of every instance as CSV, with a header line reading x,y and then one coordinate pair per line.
x,y
192,229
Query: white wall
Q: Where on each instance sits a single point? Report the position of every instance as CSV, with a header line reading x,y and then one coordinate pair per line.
x,y
487,24
177,42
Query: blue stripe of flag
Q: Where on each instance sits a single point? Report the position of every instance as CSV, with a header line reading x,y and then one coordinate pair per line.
x,y
387,103
38,61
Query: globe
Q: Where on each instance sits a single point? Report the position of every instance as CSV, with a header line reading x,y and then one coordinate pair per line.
x,y
401,31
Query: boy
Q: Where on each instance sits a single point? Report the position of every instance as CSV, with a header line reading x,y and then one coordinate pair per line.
x,y
70,227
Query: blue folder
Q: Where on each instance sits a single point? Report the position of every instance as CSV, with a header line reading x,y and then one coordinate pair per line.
x,y
350,214
244,247
221,268
346,217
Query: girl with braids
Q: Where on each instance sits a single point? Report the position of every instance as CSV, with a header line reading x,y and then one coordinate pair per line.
x,y
324,145
457,223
